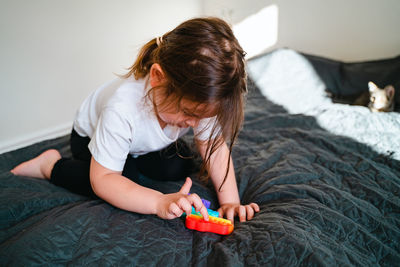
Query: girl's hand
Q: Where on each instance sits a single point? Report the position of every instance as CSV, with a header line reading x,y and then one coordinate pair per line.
x,y
230,210
171,206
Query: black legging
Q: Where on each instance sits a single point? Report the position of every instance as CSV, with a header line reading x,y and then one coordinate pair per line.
x,y
172,163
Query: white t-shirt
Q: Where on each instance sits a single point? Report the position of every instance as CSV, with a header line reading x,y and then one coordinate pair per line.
x,y
119,121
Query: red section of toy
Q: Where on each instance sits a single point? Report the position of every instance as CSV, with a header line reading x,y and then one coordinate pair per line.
x,y
215,225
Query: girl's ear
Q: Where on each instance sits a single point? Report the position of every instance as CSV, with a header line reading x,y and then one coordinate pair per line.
x,y
157,76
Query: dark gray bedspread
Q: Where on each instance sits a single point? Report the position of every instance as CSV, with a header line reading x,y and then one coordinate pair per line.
x,y
325,199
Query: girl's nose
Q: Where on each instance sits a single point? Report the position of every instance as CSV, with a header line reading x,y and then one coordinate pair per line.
x,y
192,122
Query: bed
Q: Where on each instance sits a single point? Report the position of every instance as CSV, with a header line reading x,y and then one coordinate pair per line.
x,y
326,177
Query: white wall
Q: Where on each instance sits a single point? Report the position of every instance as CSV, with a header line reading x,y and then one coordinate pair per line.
x,y
350,30
55,52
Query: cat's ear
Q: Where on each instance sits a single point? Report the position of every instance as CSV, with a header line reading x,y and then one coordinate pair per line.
x,y
372,87
389,89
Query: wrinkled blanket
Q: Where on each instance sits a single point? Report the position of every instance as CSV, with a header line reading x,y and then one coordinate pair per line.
x,y
328,197
287,78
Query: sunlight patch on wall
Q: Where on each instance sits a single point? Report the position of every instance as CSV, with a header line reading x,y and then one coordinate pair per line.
x,y
259,31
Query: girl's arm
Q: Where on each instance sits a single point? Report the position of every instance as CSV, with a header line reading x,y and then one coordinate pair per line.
x,y
228,197
125,194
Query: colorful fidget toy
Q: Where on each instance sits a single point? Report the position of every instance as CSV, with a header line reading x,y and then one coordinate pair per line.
x,y
215,225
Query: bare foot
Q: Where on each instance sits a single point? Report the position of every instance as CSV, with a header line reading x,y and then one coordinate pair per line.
x,y
39,167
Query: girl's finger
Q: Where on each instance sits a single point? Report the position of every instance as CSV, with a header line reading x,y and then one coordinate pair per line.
x,y
174,210
204,212
221,212
185,189
195,200
255,207
242,213
250,212
230,214
184,205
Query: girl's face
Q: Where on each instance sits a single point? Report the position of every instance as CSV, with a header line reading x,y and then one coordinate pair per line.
x,y
188,114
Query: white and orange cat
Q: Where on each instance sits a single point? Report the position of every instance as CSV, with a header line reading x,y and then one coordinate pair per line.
x,y
377,99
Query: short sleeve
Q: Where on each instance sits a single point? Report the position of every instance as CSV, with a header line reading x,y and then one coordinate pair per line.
x,y
111,141
204,130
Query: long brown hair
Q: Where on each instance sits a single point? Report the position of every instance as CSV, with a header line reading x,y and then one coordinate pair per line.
x,y
203,62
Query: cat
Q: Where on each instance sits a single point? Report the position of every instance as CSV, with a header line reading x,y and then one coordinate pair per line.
x,y
376,99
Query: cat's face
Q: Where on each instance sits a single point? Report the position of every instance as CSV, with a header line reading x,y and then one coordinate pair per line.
x,y
381,99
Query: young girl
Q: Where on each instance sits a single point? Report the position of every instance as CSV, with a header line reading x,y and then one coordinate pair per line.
x,y
193,76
